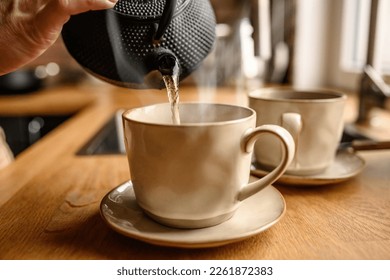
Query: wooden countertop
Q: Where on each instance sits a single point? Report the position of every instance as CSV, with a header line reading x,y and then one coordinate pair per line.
x,y
49,197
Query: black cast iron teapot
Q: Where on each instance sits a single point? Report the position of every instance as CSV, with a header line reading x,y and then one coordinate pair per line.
x,y
136,42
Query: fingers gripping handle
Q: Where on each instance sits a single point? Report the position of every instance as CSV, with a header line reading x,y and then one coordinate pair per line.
x,y
288,145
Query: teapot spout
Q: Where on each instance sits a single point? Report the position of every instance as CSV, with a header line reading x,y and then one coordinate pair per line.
x,y
168,64
164,63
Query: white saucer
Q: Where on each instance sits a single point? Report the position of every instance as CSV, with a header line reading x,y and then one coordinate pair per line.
x,y
256,214
345,166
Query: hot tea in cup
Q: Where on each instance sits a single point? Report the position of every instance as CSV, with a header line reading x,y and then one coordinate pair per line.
x,y
196,173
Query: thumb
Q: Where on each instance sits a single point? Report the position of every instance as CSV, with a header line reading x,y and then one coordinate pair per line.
x,y
73,7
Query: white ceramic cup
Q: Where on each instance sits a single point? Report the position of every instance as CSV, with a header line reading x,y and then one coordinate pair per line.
x,y
196,174
313,117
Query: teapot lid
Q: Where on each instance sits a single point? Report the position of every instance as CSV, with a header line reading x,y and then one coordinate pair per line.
x,y
146,9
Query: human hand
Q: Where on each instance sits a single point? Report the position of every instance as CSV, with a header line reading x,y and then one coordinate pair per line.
x,y
28,28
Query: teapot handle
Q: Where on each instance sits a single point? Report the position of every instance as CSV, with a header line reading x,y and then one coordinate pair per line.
x,y
166,18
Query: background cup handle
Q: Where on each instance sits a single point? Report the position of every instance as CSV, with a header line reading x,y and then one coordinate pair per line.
x,y
293,123
287,141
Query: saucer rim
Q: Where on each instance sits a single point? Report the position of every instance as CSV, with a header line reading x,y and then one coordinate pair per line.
x,y
214,242
315,179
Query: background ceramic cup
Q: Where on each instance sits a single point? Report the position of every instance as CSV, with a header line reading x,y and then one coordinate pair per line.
x,y
196,174
313,117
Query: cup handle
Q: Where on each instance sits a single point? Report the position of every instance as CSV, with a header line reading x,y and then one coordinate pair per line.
x,y
288,148
293,123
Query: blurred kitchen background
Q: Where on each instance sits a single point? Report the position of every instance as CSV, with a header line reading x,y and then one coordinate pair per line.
x,y
308,43
305,43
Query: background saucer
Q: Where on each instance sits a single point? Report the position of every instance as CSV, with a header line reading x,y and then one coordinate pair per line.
x,y
345,166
